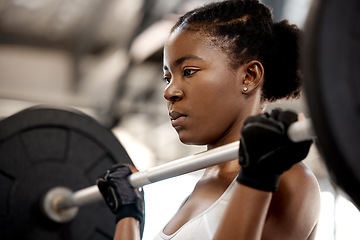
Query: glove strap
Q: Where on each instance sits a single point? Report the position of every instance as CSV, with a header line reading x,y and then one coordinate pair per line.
x,y
130,210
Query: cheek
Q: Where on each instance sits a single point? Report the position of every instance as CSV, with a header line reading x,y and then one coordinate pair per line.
x,y
220,95
217,108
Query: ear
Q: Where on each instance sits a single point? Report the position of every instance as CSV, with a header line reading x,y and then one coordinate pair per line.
x,y
254,75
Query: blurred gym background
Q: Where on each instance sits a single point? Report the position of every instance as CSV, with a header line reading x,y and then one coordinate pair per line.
x,y
105,59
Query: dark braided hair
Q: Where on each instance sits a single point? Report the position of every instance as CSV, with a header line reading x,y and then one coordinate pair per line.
x,y
244,30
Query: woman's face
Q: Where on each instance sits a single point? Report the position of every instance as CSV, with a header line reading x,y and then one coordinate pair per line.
x,y
203,93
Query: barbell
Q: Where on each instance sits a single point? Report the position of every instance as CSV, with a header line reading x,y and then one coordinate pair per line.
x,y
61,204
46,153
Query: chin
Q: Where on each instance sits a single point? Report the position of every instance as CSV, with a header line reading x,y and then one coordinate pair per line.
x,y
188,140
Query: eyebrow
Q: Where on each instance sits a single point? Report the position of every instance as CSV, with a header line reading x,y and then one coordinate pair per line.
x,y
183,59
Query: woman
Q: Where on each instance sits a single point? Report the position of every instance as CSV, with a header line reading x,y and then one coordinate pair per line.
x,y
222,64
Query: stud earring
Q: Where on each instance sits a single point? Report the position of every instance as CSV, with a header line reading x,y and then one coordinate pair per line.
x,y
245,89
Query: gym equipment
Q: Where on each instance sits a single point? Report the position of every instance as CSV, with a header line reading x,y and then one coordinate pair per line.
x,y
297,132
332,84
46,153
43,148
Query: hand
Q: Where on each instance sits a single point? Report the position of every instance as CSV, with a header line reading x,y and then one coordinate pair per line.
x,y
266,151
122,199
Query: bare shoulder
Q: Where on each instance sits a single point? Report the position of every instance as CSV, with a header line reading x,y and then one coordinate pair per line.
x,y
300,182
295,206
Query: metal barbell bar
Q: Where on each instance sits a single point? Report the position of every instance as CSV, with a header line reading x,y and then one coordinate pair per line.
x,y
61,205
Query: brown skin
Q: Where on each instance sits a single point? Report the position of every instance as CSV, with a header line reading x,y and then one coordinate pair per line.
x,y
250,223
208,93
127,229
292,214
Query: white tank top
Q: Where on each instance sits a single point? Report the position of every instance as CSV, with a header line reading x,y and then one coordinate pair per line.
x,y
204,225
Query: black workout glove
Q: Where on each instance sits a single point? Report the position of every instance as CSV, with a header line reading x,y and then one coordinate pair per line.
x,y
266,151
123,200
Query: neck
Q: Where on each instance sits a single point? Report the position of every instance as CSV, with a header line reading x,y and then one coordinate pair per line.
x,y
254,106
225,140
233,133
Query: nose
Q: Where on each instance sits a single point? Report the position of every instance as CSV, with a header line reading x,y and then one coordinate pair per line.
x,y
173,93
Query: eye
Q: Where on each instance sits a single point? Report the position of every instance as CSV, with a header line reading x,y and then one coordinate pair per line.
x,y
189,72
167,79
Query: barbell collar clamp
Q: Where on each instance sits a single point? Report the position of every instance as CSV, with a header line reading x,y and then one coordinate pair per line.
x,y
53,199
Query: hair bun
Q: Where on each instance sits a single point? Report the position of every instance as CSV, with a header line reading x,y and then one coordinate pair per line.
x,y
285,79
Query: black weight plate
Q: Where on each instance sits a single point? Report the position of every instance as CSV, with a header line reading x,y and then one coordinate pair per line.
x,y
42,148
332,85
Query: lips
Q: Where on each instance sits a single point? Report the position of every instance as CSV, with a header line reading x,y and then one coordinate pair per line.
x,y
177,118
175,115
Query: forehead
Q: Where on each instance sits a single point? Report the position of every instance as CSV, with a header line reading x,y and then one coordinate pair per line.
x,y
184,42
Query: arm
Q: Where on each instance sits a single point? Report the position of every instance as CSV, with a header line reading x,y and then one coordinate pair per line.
x,y
292,212
295,206
127,229
124,201
265,154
